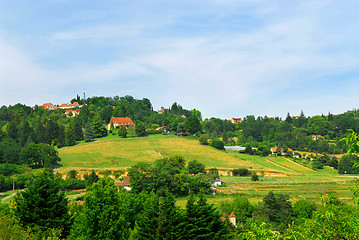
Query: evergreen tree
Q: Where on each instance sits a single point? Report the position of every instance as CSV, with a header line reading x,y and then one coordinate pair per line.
x,y
77,128
42,207
122,132
98,128
70,137
202,221
88,133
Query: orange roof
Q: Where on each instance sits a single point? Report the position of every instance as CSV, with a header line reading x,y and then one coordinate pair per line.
x,y
47,105
121,121
281,150
232,215
80,202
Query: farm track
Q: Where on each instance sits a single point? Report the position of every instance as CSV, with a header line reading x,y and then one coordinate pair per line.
x,y
280,165
300,165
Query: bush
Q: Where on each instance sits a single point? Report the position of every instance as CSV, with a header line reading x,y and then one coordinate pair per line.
x,y
195,167
203,139
255,177
216,143
316,164
241,172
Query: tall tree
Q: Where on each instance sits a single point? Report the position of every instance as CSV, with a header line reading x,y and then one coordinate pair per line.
x,y
42,207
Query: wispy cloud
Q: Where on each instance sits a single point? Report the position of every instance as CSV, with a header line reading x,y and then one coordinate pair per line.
x,y
226,58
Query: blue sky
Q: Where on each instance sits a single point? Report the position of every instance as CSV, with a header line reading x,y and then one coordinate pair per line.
x,y
226,58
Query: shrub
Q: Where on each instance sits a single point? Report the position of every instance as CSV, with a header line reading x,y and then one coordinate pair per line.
x,y
255,177
203,139
216,143
241,172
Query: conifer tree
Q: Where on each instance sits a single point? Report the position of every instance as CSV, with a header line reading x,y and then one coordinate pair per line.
x,y
42,207
202,221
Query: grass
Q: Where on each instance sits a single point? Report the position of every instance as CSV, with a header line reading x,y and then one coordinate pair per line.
x,y
282,175
119,153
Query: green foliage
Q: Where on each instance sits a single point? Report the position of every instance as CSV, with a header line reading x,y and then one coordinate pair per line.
x,y
72,174
140,130
346,164
317,164
192,124
303,208
203,139
254,177
277,208
195,167
42,207
167,175
39,155
216,143
122,132
241,172
104,214
89,134
10,228
99,129
213,173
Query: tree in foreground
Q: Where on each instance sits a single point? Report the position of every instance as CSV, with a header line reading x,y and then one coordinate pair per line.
x,y
122,132
41,207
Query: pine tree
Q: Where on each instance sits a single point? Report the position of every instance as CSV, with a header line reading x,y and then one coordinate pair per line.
x,y
88,133
202,221
42,207
98,128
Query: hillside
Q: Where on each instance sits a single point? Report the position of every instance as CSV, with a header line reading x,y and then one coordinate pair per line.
x,y
116,153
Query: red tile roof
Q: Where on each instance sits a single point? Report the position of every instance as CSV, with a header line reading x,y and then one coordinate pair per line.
x,y
232,215
121,121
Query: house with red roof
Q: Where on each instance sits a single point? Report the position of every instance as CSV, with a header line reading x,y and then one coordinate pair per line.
x,y
120,121
236,120
74,112
275,150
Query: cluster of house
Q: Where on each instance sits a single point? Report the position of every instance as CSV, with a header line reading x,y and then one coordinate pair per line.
x,y
72,109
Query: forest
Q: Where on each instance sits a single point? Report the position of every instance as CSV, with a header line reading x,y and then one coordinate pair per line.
x,y
31,137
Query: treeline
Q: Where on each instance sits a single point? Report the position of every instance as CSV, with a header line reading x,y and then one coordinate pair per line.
x,y
42,212
319,134
107,212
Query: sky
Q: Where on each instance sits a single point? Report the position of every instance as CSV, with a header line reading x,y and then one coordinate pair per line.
x,y
226,58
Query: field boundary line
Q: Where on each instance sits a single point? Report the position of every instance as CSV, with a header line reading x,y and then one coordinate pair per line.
x,y
280,165
300,165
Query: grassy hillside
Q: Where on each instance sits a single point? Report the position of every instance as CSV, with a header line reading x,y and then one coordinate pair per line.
x,y
117,153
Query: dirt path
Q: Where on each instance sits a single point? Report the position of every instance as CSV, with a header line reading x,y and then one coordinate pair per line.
x,y
11,195
279,165
300,165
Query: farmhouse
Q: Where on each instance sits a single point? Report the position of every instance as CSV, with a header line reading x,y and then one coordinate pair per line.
x,y
74,112
274,150
120,121
317,137
236,120
125,183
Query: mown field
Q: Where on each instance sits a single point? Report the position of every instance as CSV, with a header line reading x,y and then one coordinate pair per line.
x,y
280,175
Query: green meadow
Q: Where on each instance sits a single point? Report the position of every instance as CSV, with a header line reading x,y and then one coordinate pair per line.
x,y
278,174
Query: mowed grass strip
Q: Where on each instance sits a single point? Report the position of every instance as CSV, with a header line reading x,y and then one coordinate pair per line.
x,y
128,152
